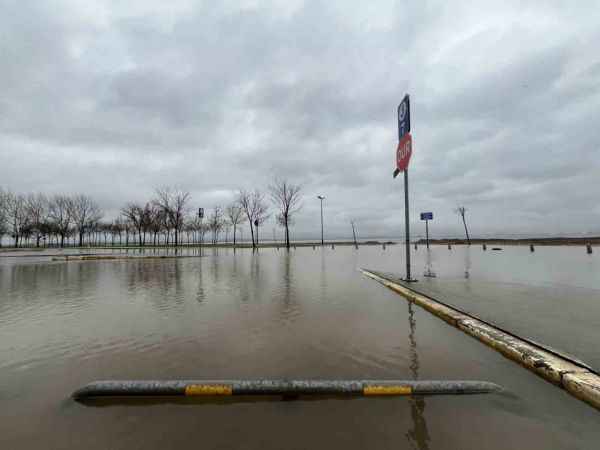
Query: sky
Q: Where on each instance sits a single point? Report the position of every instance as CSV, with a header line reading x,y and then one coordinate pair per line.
x,y
114,99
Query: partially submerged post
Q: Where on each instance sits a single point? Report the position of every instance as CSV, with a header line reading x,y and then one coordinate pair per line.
x,y
354,234
531,248
484,247
449,246
321,197
589,248
427,216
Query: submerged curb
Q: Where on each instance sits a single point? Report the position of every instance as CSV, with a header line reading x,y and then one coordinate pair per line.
x,y
577,379
115,257
193,388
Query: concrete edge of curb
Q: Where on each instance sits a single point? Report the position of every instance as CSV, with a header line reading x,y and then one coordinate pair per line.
x,y
577,380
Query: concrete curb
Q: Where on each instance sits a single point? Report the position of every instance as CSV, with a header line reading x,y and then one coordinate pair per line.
x,y
69,258
578,380
190,388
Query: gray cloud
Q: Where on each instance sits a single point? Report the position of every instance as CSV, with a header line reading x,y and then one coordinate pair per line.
x,y
115,98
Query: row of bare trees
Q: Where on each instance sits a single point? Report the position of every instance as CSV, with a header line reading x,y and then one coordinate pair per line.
x,y
33,217
285,197
165,219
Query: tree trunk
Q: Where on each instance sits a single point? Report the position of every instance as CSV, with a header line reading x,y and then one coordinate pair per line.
x,y
252,232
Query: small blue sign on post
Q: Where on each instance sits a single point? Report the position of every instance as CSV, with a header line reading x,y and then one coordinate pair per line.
x,y
427,216
403,117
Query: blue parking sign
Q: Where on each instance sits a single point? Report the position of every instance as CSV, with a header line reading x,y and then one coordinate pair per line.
x,y
403,117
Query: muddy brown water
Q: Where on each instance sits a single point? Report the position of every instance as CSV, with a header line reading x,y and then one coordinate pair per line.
x,y
306,314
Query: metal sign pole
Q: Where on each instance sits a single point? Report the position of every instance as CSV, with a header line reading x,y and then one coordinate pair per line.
x,y
403,154
427,233
407,228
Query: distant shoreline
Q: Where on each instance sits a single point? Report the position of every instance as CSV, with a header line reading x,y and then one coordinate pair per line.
x,y
552,241
196,246
594,240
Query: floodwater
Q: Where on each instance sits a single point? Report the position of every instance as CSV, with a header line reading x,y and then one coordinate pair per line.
x,y
306,314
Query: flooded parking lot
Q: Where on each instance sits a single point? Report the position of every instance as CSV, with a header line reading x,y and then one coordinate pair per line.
x,y
306,314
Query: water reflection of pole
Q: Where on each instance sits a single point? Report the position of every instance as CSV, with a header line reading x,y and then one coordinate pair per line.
x,y
428,265
419,435
467,261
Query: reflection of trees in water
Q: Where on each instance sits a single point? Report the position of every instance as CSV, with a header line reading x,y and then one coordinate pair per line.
x,y
418,436
159,281
200,294
72,281
286,279
289,306
216,265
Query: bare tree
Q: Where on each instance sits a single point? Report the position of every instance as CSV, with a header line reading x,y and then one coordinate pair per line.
x,y
174,203
16,214
461,210
203,228
156,222
118,227
215,223
234,215
85,214
134,213
59,213
3,214
37,212
286,197
255,209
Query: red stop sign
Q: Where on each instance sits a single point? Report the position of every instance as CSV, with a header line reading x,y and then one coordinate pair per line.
x,y
403,152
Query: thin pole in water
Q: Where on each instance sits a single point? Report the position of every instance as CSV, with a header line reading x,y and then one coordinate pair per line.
x,y
406,225
321,197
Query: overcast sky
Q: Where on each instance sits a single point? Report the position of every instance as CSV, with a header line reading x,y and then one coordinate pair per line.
x,y
115,98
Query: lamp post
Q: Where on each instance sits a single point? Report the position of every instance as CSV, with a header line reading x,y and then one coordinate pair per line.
x,y
321,197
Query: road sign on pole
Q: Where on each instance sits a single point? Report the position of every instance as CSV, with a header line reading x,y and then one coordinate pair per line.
x,y
403,154
427,216
403,117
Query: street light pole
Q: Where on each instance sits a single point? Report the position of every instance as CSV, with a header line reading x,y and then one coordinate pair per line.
x,y
320,197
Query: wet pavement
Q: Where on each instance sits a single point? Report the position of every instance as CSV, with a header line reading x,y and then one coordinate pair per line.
x,y
306,314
